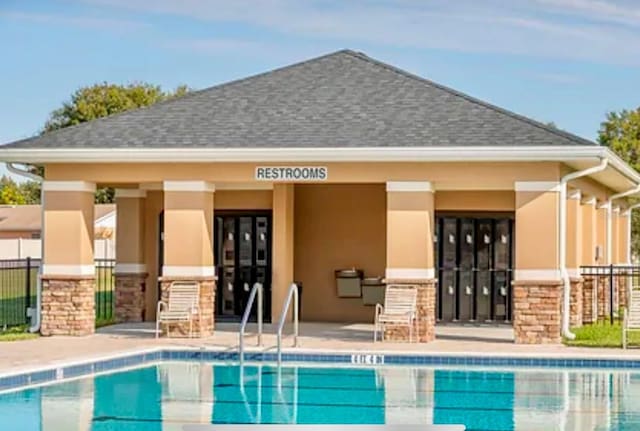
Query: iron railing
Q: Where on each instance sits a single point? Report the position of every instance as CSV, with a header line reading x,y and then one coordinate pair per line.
x,y
18,283
611,286
18,286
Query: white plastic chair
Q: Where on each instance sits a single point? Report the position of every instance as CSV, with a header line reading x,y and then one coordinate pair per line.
x,y
631,320
400,309
182,306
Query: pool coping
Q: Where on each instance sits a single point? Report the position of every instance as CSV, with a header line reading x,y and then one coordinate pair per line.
x,y
59,371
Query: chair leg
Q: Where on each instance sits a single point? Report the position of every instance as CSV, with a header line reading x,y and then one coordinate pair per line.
x,y
411,333
157,329
190,328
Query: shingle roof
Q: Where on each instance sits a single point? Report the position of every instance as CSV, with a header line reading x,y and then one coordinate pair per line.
x,y
29,217
344,99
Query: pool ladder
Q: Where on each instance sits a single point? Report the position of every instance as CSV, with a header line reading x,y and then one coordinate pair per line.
x,y
258,290
292,293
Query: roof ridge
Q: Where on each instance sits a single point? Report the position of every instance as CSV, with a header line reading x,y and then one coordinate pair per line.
x,y
186,96
503,111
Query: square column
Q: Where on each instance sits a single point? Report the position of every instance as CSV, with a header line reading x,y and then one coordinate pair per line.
x,y
589,243
602,283
574,255
68,272
282,248
188,246
410,232
130,270
537,293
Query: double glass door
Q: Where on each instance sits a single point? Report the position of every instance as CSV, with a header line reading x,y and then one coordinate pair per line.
x,y
474,258
242,248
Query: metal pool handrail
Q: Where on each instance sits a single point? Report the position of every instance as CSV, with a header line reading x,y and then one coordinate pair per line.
x,y
256,289
293,292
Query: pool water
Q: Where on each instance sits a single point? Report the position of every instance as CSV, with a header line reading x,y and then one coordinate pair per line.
x,y
164,397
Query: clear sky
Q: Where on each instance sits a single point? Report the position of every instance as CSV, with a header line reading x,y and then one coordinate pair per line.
x,y
566,61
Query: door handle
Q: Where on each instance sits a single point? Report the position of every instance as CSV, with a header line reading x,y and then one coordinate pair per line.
x,y
468,290
485,290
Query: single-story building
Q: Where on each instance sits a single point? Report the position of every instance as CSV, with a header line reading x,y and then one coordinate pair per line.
x,y
337,162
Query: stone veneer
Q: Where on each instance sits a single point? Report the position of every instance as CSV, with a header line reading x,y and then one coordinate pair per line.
x,y
201,327
68,305
129,297
537,311
576,312
426,304
603,297
588,299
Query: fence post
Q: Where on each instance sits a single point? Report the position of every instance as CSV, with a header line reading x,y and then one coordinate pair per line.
x,y
611,293
28,284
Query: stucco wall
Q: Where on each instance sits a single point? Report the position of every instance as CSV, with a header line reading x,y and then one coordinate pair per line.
x,y
337,226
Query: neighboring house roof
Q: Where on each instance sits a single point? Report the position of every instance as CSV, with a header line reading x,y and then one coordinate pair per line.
x,y
344,99
29,217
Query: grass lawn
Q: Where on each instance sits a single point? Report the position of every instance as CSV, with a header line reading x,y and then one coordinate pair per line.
x,y
17,333
602,334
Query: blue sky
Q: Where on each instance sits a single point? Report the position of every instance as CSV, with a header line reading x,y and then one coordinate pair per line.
x,y
566,61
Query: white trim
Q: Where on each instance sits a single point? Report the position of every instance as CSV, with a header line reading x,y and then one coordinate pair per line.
x,y
410,273
73,270
188,271
616,210
537,274
575,195
537,186
604,206
409,186
68,186
130,193
625,213
188,186
244,186
574,272
151,186
590,201
130,268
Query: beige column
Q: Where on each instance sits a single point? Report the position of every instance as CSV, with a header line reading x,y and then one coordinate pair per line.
x,y
624,237
130,270
615,235
574,255
68,273
188,244
589,243
537,293
282,259
602,284
410,231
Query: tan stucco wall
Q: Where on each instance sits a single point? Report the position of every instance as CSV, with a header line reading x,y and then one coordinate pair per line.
x,y
130,230
574,233
475,200
450,175
14,234
615,236
283,247
68,228
623,242
410,229
154,203
601,235
243,199
536,226
338,226
188,228
589,232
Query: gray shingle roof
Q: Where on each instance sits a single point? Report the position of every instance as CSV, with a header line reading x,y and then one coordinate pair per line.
x,y
344,99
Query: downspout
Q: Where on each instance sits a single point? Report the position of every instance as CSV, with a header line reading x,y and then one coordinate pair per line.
x,y
35,323
630,209
566,300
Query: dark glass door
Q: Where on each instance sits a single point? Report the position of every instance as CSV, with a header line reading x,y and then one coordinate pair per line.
x,y
474,256
243,257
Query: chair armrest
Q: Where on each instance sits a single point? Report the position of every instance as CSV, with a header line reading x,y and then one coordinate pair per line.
x,y
161,305
379,309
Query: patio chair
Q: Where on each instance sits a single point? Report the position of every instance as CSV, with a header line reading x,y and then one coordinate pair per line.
x,y
631,321
182,306
399,309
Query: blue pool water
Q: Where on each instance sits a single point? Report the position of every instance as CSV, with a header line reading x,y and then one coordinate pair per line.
x,y
165,396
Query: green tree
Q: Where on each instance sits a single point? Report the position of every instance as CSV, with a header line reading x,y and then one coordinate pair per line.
x,y
10,193
621,132
102,100
30,191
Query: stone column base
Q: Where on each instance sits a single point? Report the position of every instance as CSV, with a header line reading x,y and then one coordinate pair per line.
x,y
537,311
603,297
588,300
424,330
202,326
576,306
68,305
622,285
129,297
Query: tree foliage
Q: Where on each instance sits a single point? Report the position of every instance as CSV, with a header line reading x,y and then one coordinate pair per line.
x,y
10,192
621,132
102,100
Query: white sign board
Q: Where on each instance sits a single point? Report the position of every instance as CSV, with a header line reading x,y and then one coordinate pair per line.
x,y
292,173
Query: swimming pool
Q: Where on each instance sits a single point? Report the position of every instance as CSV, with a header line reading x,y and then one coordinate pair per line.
x,y
166,395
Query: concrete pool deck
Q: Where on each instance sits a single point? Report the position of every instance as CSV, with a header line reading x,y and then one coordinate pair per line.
x,y
321,337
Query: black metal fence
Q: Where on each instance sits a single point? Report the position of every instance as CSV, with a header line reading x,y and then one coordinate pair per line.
x,y
18,284
610,286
